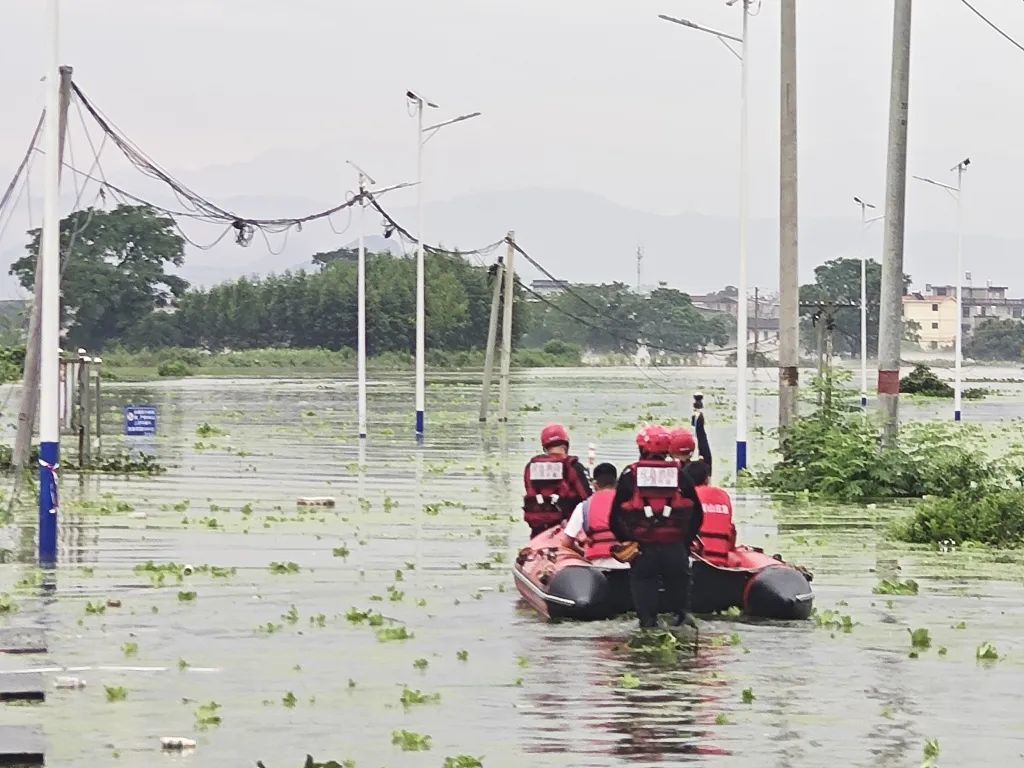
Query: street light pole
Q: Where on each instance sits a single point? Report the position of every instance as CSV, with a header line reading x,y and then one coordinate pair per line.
x,y
423,135
741,319
741,307
49,312
958,336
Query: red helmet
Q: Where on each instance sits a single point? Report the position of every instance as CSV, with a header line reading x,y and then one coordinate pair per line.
x,y
681,441
554,434
653,439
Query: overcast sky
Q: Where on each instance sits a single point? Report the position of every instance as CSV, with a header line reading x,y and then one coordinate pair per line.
x,y
592,95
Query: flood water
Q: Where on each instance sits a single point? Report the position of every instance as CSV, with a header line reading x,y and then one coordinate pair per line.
x,y
429,535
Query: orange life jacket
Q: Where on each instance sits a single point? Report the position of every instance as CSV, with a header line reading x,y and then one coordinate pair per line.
x,y
658,513
553,489
717,531
597,515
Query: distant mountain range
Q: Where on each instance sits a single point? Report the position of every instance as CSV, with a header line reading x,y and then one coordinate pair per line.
x,y
584,238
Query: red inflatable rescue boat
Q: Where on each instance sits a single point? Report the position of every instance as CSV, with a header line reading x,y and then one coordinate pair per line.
x,y
560,583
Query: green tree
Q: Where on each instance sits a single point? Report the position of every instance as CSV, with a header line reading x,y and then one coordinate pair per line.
x,y
115,275
837,282
996,339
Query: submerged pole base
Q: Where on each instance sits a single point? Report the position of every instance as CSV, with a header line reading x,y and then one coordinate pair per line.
x,y
49,456
741,456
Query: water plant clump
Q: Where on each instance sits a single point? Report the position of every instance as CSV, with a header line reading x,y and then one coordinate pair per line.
x,y
411,697
995,518
920,639
463,761
896,587
409,741
986,652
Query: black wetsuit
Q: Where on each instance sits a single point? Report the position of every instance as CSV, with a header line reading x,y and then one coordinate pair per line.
x,y
658,564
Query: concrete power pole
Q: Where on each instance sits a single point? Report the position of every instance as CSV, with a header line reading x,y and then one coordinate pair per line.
x,y
30,389
789,280
492,338
890,329
506,328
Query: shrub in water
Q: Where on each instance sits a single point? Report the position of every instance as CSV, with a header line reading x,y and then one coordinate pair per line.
x,y
174,369
995,518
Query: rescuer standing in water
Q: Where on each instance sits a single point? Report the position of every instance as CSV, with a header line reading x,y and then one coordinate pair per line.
x,y
656,514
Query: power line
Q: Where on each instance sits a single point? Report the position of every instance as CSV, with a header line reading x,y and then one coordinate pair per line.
x,y
992,24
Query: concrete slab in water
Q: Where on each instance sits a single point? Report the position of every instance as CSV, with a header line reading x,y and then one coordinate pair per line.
x,y
22,640
20,746
22,687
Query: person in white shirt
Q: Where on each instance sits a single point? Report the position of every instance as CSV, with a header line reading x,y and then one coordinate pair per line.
x,y
589,526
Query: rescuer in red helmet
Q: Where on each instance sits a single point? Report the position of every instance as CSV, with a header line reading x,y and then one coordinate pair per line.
x,y
555,482
681,445
657,514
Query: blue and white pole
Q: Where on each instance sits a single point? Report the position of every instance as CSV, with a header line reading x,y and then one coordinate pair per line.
x,y
49,311
741,307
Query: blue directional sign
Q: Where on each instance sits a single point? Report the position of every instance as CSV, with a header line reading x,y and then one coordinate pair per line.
x,y
140,420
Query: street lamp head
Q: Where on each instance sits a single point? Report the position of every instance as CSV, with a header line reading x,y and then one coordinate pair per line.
x,y
857,200
966,162
413,96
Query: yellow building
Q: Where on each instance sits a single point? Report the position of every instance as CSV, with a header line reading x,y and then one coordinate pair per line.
x,y
936,318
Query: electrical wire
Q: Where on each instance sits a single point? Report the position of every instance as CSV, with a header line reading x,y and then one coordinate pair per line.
x,y
189,199
24,162
992,24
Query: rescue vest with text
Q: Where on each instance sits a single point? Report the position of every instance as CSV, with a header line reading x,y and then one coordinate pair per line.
x,y
717,531
597,515
658,513
553,489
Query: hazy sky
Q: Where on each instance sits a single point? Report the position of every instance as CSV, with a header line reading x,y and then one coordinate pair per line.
x,y
592,95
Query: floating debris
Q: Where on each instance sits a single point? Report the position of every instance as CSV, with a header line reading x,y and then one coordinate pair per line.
x,y
315,501
176,743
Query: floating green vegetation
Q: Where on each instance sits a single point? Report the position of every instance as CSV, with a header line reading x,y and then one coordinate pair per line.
x,y
462,655
942,650
986,652
206,715
920,639
319,621
390,634
833,620
410,697
289,700
183,665
292,616
629,682
208,430
269,628
748,696
408,741
281,568
931,753
125,463
421,664
186,597
95,609
7,604
130,649
722,719
463,761
115,693
896,587
342,551
960,625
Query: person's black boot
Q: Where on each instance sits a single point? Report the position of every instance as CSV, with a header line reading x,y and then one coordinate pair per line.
x,y
685,619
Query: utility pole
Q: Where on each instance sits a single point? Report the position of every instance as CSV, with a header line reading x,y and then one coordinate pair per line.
x,y
639,258
49,307
890,330
364,178
819,329
492,338
757,315
506,328
789,280
30,388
